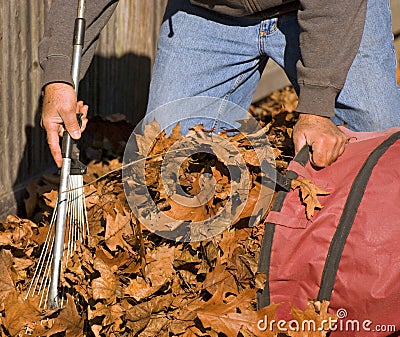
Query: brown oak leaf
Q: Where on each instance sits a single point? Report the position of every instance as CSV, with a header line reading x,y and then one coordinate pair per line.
x,y
112,314
230,317
313,322
68,320
106,287
309,192
19,314
7,275
116,228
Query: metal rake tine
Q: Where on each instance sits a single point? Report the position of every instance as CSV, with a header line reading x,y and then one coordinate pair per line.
x,y
69,216
42,257
80,218
47,280
45,275
46,267
83,213
76,206
73,213
81,208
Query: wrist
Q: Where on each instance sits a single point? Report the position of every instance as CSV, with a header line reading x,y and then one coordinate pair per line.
x,y
56,86
306,116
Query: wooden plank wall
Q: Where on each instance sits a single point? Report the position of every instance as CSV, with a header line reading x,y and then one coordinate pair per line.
x,y
127,49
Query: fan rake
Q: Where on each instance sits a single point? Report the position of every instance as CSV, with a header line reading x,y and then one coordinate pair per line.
x,y
70,212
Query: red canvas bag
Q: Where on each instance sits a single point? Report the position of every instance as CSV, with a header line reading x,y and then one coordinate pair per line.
x,y
349,252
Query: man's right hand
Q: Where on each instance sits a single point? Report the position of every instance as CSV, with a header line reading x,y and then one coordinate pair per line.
x,y
59,111
326,140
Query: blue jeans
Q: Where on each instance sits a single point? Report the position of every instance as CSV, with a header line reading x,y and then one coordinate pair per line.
x,y
202,53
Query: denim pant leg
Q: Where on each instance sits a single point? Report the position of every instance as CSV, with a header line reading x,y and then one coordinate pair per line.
x,y
370,98
202,53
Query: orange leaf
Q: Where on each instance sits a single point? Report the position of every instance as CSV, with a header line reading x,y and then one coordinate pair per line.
x,y
6,280
19,314
229,318
309,192
116,228
313,322
68,320
106,287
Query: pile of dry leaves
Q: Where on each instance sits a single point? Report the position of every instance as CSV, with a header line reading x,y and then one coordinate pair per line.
x,y
125,280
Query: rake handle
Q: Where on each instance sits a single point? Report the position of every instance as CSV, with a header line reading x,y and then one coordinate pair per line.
x,y
67,145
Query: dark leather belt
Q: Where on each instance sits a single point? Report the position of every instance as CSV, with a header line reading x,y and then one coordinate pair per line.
x,y
276,11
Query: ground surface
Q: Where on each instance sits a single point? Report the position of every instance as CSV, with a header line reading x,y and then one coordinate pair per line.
x,y
126,281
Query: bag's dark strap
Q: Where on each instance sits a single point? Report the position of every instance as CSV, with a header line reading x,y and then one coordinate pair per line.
x,y
346,220
264,262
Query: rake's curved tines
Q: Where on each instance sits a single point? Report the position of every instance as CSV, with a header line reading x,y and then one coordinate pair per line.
x,y
41,275
77,227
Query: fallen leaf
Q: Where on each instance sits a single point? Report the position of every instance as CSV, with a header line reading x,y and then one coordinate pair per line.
x,y
6,238
398,75
193,332
106,287
116,228
68,321
139,315
112,314
183,320
7,275
150,134
139,289
19,313
218,277
309,192
230,317
246,332
50,198
313,322
156,326
20,265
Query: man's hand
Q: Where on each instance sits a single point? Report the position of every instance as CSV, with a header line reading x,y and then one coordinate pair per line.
x,y
59,110
322,135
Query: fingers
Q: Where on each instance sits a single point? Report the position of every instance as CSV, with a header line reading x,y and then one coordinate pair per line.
x,y
59,110
326,140
326,149
299,141
71,124
54,144
55,130
82,110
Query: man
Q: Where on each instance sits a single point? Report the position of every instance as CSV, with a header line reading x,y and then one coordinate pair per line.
x,y
339,56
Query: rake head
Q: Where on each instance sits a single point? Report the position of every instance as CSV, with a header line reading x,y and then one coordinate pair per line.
x,y
76,229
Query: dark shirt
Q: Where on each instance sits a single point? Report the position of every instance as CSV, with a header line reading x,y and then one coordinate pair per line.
x,y
330,35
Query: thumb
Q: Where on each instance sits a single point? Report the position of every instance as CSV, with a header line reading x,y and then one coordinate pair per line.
x,y
72,126
299,142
